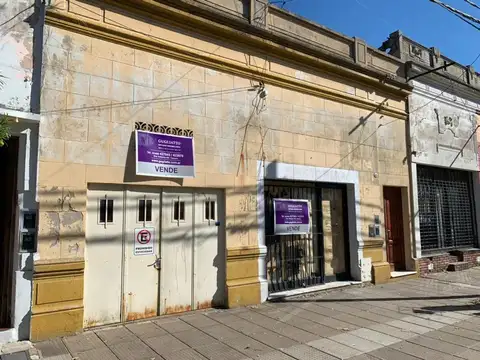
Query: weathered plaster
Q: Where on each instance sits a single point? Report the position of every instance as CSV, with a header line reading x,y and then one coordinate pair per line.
x,y
441,128
16,54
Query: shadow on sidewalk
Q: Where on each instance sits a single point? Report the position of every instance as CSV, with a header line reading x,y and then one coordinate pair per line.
x,y
447,308
450,297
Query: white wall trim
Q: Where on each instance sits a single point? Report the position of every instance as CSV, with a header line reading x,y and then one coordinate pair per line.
x,y
284,171
21,115
27,131
416,219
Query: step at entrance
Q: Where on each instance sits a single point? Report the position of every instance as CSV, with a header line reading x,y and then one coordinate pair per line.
x,y
458,266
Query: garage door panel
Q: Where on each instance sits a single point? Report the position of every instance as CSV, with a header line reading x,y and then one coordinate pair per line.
x,y
209,263
177,252
103,257
142,247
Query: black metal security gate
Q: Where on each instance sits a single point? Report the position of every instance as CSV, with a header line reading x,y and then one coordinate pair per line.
x,y
295,261
445,208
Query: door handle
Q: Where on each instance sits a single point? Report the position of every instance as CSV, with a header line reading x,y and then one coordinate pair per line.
x,y
157,264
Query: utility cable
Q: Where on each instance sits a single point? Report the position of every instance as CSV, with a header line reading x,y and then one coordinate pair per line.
x,y
150,101
452,84
472,3
463,15
16,15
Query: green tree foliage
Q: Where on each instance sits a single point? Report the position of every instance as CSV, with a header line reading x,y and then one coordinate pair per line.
x,y
4,126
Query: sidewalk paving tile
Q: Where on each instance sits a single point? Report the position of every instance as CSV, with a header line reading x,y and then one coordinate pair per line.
x,y
133,350
194,338
450,338
198,320
437,345
334,348
248,346
54,349
186,354
219,351
363,357
352,319
387,353
336,324
423,322
275,355
373,317
145,330
375,336
452,329
102,353
222,317
245,327
273,339
470,354
421,352
174,326
221,332
315,330
438,318
22,355
83,342
356,342
115,335
165,344
467,325
393,331
304,352
409,326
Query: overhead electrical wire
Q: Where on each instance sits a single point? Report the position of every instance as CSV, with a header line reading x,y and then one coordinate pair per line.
x,y
472,3
16,15
460,14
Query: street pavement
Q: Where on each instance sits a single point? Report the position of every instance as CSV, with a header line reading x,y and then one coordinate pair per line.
x,y
436,318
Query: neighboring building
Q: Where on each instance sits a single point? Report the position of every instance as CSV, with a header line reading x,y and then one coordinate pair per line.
x,y
267,105
20,64
444,109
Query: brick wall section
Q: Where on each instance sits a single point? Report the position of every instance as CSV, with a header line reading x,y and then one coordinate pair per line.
x,y
441,261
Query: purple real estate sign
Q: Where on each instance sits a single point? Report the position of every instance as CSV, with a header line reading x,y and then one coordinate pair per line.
x,y
291,217
164,155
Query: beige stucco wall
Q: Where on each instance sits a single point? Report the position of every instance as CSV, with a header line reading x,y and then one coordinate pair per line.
x,y
90,105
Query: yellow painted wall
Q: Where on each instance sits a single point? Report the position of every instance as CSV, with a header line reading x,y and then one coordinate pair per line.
x,y
95,90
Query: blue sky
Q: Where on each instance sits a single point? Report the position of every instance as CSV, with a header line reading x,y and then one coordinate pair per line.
x,y
421,20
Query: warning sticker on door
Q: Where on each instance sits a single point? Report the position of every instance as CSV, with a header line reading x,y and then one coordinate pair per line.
x,y
144,241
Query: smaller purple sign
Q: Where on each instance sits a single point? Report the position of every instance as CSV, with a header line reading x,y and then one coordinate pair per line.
x,y
164,155
291,216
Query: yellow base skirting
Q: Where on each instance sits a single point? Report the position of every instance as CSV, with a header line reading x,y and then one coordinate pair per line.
x,y
243,285
57,299
380,273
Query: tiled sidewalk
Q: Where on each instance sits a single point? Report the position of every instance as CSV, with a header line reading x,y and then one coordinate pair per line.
x,y
414,319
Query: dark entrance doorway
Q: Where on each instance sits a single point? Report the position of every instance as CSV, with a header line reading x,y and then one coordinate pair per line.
x,y
296,261
394,228
8,205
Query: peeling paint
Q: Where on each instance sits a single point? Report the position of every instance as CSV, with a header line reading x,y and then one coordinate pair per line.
x,y
71,217
16,54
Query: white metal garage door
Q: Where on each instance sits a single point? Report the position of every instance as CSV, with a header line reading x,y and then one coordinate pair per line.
x,y
152,252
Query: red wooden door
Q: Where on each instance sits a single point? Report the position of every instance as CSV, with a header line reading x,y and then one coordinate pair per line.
x,y
394,227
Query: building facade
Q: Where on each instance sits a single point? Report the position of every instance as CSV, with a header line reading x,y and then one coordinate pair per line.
x,y
444,108
20,64
172,137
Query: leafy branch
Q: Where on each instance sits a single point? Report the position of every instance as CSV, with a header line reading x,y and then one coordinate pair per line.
x,y
4,126
4,130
